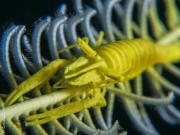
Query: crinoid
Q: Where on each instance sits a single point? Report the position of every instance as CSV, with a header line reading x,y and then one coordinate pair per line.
x,y
23,54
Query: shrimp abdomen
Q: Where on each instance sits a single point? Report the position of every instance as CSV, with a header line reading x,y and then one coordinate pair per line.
x,y
135,55
168,53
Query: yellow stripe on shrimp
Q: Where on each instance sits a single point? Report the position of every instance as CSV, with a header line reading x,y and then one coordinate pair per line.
x,y
107,64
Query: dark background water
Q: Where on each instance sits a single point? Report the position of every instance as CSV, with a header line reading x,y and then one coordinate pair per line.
x,y
26,12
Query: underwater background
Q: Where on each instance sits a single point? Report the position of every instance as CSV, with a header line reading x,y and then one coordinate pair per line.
x,y
144,119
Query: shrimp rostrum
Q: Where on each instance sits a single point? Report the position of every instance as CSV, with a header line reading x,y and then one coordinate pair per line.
x,y
97,68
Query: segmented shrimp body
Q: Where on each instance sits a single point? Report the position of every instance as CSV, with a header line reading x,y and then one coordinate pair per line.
x,y
107,64
131,57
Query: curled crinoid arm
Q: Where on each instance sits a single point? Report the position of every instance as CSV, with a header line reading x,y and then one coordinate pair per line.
x,y
152,72
172,69
70,108
146,100
37,80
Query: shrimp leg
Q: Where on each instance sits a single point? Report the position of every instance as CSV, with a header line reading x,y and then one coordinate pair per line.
x,y
37,80
67,109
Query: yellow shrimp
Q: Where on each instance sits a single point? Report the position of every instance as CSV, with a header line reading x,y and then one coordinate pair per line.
x,y
114,62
